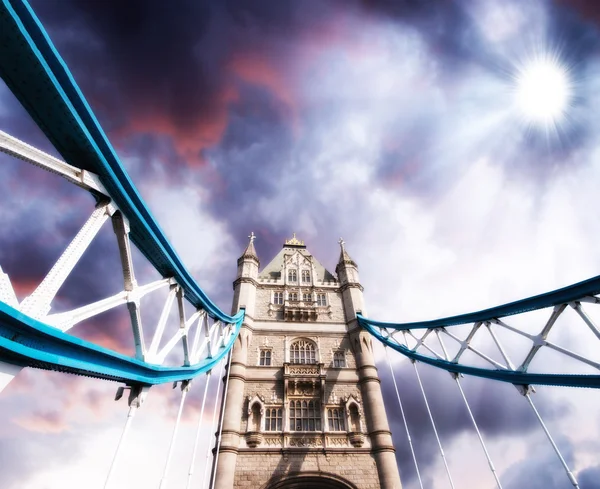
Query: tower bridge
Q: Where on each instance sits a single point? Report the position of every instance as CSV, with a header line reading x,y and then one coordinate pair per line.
x,y
300,404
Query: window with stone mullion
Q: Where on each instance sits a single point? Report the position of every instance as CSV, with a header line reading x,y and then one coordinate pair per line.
x,y
273,419
265,357
336,420
302,352
305,415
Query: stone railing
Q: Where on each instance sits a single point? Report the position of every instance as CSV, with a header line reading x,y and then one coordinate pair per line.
x,y
303,369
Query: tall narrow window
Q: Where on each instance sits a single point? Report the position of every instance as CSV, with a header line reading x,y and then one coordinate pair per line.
x,y
292,276
254,421
305,276
335,417
278,298
273,419
302,351
354,418
265,357
339,359
306,298
321,300
305,415
293,296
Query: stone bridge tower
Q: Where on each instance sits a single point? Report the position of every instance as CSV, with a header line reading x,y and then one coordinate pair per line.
x,y
304,407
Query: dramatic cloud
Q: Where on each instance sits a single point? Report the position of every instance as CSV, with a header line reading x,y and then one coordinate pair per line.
x,y
391,123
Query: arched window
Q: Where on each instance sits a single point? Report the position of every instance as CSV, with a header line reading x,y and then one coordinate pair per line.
x,y
303,351
292,276
305,276
273,419
339,359
354,418
306,297
335,417
254,421
305,415
321,300
265,357
278,298
293,296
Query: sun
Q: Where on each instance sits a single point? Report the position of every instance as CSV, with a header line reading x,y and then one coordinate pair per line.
x,y
543,91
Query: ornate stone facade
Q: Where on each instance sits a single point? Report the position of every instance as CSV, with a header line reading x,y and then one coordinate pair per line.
x,y
304,398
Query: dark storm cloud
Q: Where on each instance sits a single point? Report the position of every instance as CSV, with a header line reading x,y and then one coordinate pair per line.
x,y
500,411
590,478
172,71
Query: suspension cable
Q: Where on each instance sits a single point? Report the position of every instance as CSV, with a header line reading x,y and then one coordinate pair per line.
x,y
136,398
525,393
487,455
213,424
185,387
132,410
433,424
195,450
412,450
218,441
455,376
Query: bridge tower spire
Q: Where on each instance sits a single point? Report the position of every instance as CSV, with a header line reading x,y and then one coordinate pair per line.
x,y
244,296
376,417
304,406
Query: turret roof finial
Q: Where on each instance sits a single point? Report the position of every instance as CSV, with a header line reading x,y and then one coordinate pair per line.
x,y
294,241
250,251
344,256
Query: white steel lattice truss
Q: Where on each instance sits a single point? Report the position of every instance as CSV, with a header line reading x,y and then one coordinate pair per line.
x,y
482,339
197,337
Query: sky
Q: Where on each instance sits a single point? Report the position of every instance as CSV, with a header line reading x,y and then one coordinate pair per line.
x,y
398,125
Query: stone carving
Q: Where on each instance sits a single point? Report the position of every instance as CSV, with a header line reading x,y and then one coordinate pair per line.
x,y
305,442
253,439
357,439
272,441
337,441
304,370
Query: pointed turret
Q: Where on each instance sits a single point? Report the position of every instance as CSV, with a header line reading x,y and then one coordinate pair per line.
x,y
344,256
249,252
247,273
346,269
347,272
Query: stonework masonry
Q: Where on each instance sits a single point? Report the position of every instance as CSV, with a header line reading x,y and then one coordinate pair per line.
x,y
303,405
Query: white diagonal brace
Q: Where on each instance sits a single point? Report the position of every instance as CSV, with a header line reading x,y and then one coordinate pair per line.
x,y
509,363
571,354
540,339
586,318
464,344
160,327
207,343
201,317
83,178
37,305
165,350
66,320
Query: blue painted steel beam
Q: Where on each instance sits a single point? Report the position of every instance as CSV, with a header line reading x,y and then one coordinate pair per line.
x,y
30,343
40,79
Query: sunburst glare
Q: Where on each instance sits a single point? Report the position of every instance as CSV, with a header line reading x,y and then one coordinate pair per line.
x,y
543,92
